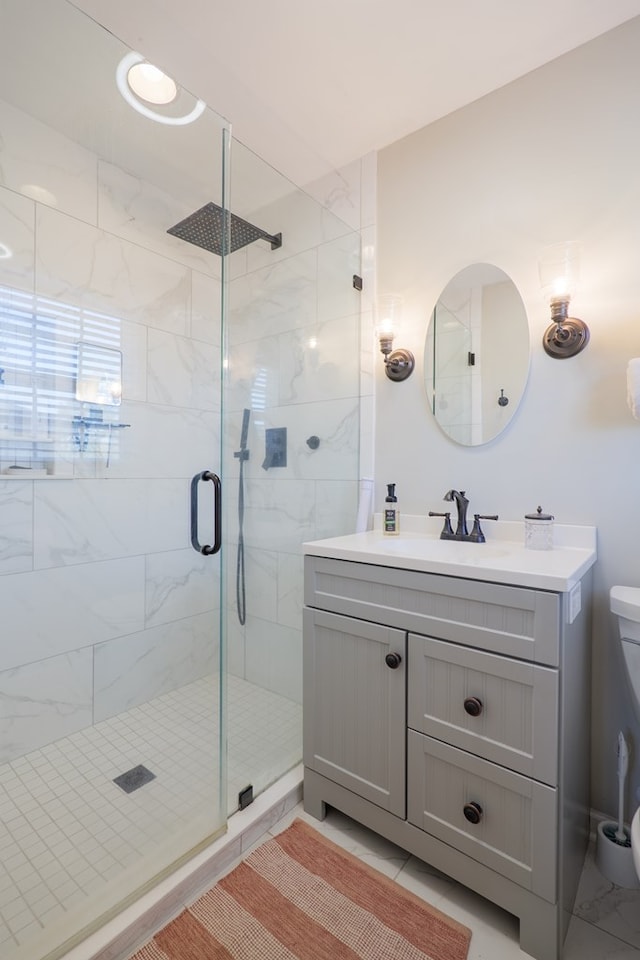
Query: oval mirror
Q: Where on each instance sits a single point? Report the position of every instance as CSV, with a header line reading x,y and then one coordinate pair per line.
x,y
476,358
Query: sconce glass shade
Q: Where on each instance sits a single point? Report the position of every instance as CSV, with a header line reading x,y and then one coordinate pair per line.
x,y
398,364
559,269
388,314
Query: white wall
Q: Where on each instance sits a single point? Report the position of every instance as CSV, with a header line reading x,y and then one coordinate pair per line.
x,y
553,156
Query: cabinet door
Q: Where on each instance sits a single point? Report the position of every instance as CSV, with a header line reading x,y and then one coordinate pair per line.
x,y
354,706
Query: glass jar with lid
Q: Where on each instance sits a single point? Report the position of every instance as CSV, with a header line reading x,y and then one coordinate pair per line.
x,y
538,530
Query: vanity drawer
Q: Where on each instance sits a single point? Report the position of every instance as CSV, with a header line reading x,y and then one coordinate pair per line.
x,y
515,621
516,832
501,709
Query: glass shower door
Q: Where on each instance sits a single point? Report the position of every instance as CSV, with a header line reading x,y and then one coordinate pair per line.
x,y
291,433
111,710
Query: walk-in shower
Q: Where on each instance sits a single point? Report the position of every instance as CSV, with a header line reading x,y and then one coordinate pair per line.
x,y
135,705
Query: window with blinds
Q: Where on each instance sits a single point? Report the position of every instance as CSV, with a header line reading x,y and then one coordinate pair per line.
x,y
60,384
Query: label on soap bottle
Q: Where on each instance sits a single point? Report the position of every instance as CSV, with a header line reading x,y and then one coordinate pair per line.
x,y
391,515
390,520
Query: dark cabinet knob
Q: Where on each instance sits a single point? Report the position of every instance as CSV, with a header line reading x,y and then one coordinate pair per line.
x,y
393,660
473,706
473,812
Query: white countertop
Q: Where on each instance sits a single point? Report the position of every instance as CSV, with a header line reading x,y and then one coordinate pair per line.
x,y
502,559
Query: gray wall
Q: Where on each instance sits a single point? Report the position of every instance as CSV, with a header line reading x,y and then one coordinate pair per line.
x,y
553,156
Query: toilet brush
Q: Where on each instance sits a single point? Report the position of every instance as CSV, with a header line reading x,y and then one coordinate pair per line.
x,y
614,857
616,832
623,766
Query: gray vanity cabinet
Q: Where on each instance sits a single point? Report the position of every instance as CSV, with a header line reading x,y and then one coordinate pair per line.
x,y
449,716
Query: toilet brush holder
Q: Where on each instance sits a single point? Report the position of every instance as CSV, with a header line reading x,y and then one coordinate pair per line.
x,y
614,858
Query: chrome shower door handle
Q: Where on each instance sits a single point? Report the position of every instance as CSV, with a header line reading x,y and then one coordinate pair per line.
x,y
205,548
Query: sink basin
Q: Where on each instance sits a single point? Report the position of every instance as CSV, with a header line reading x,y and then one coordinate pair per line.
x,y
447,551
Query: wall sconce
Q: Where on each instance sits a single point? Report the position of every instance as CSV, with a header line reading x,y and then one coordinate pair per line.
x,y
399,363
559,269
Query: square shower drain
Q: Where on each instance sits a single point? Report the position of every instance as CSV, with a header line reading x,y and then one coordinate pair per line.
x,y
134,779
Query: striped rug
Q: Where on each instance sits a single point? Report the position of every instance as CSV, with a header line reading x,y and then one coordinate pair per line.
x,y
300,897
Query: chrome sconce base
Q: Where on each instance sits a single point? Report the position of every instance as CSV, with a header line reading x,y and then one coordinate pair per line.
x,y
565,336
399,364
562,340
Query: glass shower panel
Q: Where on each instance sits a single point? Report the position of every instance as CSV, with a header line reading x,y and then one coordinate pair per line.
x,y
290,447
111,710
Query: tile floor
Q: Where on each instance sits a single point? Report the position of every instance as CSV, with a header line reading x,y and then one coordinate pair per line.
x,y
71,841
605,925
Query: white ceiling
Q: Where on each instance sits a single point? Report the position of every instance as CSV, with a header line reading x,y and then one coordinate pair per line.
x,y
314,85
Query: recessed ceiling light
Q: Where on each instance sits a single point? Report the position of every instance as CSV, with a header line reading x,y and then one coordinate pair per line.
x,y
135,99
151,84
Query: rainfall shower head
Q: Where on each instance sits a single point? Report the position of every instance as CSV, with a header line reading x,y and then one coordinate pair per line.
x,y
205,228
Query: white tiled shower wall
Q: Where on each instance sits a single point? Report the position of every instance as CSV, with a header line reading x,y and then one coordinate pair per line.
x,y
104,603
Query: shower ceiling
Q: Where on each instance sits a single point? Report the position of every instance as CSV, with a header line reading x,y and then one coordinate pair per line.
x,y
313,85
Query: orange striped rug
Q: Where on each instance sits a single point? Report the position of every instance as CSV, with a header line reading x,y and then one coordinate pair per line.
x,y
301,897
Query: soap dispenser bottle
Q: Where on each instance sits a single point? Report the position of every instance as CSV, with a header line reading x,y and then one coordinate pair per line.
x,y
391,515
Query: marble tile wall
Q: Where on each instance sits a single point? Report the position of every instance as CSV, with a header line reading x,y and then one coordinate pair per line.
x,y
104,603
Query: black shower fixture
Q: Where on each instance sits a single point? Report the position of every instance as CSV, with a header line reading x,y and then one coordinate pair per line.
x,y
207,228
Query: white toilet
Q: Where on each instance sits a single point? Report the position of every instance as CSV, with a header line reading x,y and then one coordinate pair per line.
x,y
625,603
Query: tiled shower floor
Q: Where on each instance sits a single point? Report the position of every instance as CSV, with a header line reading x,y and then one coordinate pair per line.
x,y
68,833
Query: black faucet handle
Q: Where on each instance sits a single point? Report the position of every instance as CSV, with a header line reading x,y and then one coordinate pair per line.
x,y
476,535
447,529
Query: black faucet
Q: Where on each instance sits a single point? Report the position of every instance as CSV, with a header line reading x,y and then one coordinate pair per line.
x,y
461,505
461,531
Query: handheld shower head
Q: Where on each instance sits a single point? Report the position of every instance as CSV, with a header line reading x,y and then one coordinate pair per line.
x,y
245,428
243,453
